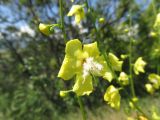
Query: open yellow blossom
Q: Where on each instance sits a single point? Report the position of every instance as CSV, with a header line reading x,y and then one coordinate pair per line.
x,y
113,97
83,62
78,12
139,66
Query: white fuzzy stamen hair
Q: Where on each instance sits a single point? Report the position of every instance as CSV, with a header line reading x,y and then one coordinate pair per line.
x,y
91,67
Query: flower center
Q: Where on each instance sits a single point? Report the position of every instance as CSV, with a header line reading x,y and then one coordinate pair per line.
x,y
90,66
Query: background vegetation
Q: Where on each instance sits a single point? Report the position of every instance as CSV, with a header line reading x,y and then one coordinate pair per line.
x,y
30,61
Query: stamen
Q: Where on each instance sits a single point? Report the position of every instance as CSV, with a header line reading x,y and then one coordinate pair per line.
x,y
91,67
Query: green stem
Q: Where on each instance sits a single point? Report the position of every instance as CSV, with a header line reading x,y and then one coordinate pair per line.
x,y
136,106
130,60
62,20
155,13
130,69
154,8
87,5
81,107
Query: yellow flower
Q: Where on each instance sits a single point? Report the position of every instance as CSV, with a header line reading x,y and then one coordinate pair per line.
x,y
112,96
123,78
149,88
78,12
139,66
155,80
83,62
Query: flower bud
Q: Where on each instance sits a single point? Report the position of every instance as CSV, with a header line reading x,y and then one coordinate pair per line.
x,y
123,78
123,56
139,66
101,20
46,29
149,88
63,93
153,34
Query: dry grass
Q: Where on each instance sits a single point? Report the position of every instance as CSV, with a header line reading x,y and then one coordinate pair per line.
x,y
107,113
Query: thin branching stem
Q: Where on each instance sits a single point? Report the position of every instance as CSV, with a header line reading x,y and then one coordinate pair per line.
x,y
154,7
62,20
155,13
130,57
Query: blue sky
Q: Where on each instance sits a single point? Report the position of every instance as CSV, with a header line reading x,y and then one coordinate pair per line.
x,y
8,12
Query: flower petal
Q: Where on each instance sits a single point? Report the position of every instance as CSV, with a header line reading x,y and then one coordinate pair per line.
x,y
155,80
74,9
68,68
79,16
91,49
83,86
116,64
139,66
73,48
106,71
112,96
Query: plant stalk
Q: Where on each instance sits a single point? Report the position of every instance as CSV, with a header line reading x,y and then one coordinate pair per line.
x,y
81,108
62,20
130,59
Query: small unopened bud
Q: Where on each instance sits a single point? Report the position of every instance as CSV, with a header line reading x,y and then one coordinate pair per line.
x,y
47,29
101,20
63,93
131,104
124,56
123,78
126,30
149,88
153,34
134,99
